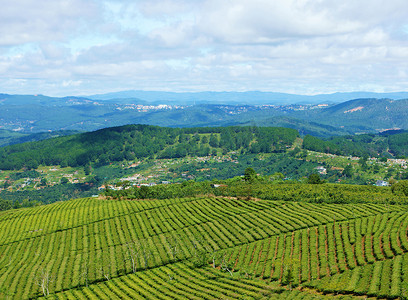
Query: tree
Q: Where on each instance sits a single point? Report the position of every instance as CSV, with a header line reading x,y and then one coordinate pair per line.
x,y
143,192
43,280
314,179
213,141
87,169
226,266
173,247
215,256
64,180
400,188
363,162
249,175
199,253
16,204
348,171
288,277
5,204
105,267
277,176
145,253
132,252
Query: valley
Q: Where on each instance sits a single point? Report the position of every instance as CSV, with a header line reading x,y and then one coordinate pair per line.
x,y
148,212
82,165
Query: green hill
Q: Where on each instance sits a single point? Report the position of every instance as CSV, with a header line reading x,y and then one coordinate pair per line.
x,y
304,127
370,145
206,247
140,141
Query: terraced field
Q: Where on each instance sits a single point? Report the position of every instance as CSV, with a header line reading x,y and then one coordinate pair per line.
x,y
203,248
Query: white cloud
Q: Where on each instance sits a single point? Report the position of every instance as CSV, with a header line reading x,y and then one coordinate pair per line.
x,y
176,34
263,21
25,21
61,47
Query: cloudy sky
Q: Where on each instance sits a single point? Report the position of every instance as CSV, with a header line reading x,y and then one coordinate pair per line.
x,y
82,47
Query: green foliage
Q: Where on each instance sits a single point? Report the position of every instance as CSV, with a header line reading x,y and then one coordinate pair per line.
x,y
400,188
314,179
288,277
131,142
200,258
348,171
398,144
264,189
24,174
318,145
5,204
365,145
64,180
250,175
50,194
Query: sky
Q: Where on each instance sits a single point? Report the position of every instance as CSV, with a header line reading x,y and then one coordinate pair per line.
x,y
85,47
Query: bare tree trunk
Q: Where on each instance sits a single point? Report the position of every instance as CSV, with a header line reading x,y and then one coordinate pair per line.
x,y
43,280
133,252
225,267
173,247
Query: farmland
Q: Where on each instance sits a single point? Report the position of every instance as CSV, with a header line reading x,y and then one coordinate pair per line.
x,y
209,232
203,247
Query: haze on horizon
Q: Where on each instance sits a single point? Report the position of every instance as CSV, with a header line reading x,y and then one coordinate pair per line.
x,y
83,47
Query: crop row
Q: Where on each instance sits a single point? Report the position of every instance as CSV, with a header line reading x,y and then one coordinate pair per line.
x,y
383,279
321,251
175,281
120,237
27,223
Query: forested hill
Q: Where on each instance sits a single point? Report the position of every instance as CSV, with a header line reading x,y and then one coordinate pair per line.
x,y
141,141
393,144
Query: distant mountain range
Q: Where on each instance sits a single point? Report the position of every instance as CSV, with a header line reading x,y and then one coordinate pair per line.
x,y
320,116
248,98
9,137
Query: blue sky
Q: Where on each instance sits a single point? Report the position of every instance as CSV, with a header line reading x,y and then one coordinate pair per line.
x,y
83,47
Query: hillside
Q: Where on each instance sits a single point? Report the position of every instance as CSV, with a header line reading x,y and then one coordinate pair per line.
x,y
303,126
140,141
363,115
206,247
76,166
132,142
369,145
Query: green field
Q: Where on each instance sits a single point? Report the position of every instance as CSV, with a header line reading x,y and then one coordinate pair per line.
x,y
203,248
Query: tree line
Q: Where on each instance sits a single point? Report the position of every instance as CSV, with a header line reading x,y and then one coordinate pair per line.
x,y
371,145
272,187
